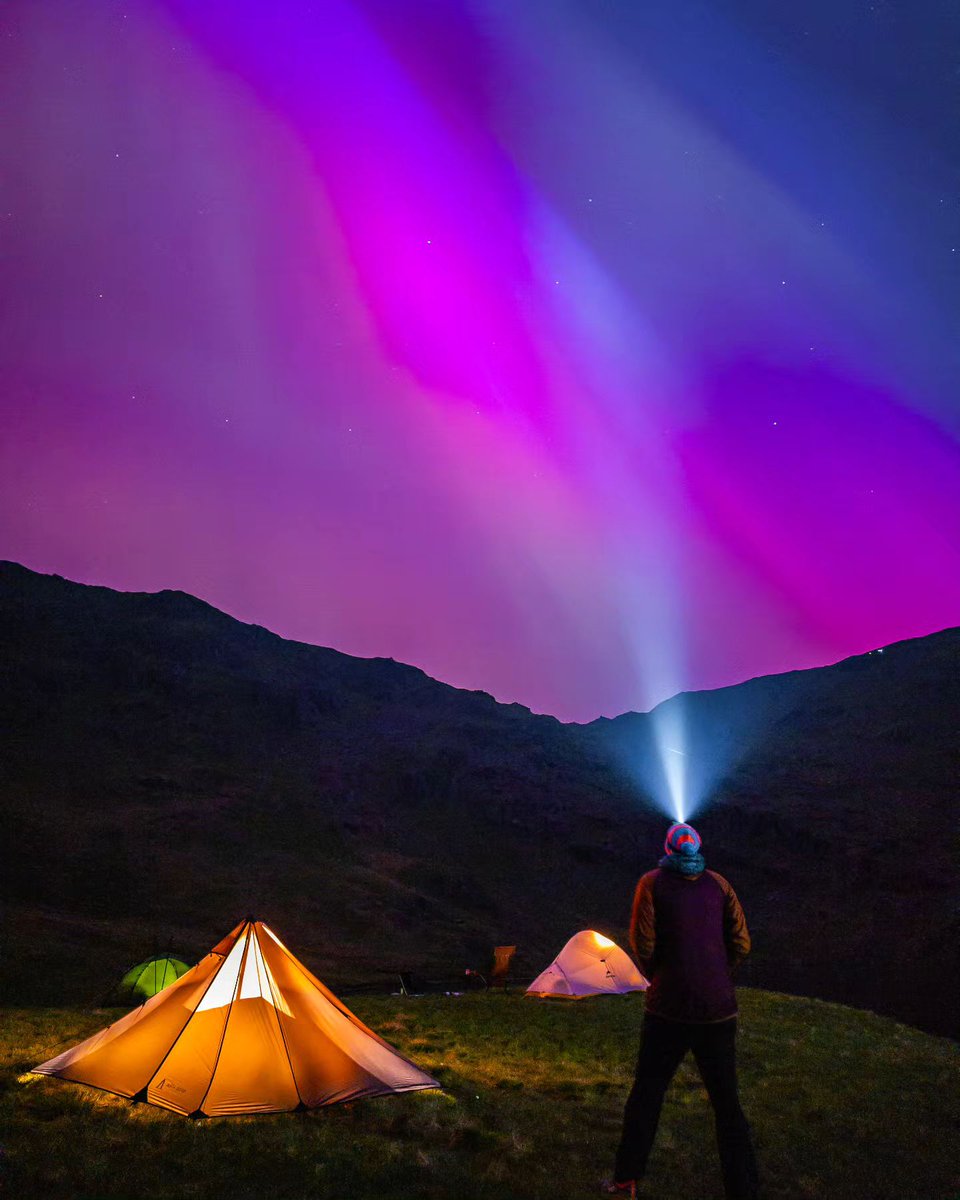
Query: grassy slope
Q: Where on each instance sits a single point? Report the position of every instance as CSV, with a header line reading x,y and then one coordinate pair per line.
x,y
844,1105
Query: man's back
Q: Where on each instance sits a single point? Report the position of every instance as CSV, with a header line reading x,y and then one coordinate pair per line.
x,y
687,933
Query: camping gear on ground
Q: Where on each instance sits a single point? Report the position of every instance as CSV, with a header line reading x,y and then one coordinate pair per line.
x,y
247,1030
589,965
502,957
407,985
149,977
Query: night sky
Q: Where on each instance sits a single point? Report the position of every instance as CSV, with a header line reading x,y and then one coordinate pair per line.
x,y
581,352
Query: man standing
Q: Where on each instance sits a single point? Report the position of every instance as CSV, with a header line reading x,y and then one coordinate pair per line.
x,y
688,934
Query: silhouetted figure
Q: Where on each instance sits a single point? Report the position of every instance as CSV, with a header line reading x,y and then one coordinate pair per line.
x,y
688,933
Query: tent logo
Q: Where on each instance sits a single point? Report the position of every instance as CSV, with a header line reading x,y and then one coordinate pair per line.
x,y
171,1086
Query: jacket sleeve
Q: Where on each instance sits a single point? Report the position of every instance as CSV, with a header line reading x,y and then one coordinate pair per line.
x,y
643,927
735,932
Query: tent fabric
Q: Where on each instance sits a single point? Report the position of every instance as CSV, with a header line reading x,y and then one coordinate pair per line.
x,y
589,965
247,1030
149,977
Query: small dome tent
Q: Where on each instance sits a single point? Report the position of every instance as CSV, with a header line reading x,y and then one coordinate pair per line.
x,y
589,965
149,977
247,1030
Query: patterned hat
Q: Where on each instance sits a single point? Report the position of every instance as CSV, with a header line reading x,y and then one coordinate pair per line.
x,y
682,839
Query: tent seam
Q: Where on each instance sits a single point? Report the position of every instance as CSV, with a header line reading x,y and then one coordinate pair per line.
x,y
276,1013
226,1022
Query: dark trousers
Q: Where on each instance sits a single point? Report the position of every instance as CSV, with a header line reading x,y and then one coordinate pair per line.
x,y
663,1045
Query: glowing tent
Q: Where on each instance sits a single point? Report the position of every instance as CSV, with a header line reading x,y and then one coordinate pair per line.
x,y
149,977
247,1030
588,965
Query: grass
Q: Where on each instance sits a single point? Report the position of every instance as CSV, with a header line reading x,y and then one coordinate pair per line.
x,y
844,1105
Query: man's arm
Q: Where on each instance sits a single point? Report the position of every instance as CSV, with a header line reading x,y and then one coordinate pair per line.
x,y
643,930
735,932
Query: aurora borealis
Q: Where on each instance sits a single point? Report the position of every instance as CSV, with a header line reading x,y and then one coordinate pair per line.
x,y
579,352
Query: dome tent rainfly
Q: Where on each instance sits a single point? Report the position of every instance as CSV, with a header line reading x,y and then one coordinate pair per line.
x,y
247,1030
589,965
149,977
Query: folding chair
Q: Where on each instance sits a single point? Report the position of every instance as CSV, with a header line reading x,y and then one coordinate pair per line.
x,y
502,957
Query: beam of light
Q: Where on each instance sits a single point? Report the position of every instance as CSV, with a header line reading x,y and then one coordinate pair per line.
x,y
676,779
670,729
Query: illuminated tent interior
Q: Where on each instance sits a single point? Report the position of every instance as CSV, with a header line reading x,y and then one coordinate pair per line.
x,y
247,1030
588,965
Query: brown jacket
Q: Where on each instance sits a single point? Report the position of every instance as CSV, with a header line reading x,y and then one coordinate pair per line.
x,y
688,935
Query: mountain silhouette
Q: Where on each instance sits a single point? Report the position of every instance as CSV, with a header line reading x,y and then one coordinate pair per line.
x,y
168,769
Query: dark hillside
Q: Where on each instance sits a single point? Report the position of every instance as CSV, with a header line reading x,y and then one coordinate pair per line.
x,y
835,799
167,769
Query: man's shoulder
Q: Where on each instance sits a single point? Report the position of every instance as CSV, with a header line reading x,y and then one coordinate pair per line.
x,y
645,882
724,884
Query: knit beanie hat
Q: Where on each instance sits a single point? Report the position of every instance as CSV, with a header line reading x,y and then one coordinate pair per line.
x,y
682,839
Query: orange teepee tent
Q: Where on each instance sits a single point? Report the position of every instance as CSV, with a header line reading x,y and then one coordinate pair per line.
x,y
247,1030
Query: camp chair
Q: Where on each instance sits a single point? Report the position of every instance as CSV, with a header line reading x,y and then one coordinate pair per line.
x,y
502,957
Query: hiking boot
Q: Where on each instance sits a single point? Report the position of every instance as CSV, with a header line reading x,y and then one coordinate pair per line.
x,y
611,1187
